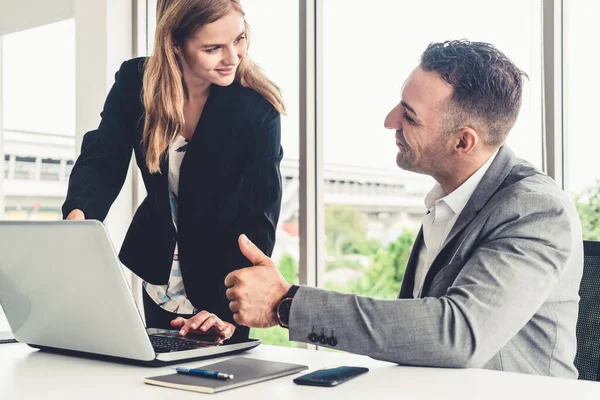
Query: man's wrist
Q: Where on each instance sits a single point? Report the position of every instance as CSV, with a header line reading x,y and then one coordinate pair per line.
x,y
283,308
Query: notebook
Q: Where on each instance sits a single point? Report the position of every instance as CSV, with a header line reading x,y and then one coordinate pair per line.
x,y
246,371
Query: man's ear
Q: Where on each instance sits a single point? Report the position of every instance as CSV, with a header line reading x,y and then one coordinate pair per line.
x,y
467,139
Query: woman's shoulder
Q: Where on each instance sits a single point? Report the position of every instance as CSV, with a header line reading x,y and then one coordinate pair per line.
x,y
249,99
134,68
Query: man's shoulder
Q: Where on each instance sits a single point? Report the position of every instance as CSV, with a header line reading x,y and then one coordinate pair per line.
x,y
526,192
528,180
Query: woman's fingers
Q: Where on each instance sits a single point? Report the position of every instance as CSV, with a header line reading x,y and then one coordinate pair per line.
x,y
211,322
204,322
178,322
194,322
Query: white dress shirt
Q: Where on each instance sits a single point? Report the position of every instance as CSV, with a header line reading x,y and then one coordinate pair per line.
x,y
444,210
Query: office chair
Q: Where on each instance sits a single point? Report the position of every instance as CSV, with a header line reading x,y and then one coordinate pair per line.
x,y
587,359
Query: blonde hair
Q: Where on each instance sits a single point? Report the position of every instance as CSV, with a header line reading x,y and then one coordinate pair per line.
x,y
164,92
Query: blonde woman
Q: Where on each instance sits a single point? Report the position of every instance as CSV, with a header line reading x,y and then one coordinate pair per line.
x,y
204,124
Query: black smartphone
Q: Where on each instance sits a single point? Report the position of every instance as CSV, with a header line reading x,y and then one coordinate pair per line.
x,y
330,376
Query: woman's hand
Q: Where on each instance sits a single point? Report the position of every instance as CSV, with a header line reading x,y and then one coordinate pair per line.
x,y
205,322
76,214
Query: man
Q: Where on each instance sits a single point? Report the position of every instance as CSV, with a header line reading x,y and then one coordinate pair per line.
x,y
493,277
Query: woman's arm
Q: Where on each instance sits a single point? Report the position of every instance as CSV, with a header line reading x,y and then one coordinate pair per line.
x,y
260,196
101,168
259,201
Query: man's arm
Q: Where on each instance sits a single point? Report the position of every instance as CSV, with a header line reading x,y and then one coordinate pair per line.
x,y
499,289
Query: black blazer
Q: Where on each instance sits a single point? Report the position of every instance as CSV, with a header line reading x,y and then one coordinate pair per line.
x,y
229,184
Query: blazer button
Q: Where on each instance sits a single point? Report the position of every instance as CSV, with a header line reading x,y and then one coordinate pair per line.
x,y
323,339
332,341
313,337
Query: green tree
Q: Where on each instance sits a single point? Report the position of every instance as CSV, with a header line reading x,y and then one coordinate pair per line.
x,y
275,336
346,232
588,207
289,268
383,278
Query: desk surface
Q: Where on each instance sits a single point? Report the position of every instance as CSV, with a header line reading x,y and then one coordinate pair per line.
x,y
26,373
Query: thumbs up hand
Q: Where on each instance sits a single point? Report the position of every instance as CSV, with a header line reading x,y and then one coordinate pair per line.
x,y
255,292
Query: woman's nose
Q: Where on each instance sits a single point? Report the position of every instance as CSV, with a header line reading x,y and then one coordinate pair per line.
x,y
231,56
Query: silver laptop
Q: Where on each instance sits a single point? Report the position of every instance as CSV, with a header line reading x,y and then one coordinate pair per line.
x,y
63,289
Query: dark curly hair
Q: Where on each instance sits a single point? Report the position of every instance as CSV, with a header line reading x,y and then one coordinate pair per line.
x,y
488,87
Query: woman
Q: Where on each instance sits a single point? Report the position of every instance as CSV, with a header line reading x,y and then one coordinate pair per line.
x,y
204,124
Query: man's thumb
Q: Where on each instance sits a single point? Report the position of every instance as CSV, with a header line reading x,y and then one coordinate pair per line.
x,y
251,252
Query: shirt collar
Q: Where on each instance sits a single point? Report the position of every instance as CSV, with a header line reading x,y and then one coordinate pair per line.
x,y
457,200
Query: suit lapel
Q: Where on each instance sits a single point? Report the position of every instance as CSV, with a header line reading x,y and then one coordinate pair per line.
x,y
408,281
498,171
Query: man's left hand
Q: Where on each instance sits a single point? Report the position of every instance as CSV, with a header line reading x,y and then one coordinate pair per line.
x,y
254,292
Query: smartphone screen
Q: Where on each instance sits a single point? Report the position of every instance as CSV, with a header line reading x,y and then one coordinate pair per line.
x,y
330,376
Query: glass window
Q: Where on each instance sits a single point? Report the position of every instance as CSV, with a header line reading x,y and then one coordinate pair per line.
x,y
274,47
33,189
25,168
581,133
50,169
374,209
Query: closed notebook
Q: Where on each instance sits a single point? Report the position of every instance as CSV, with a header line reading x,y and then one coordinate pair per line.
x,y
246,371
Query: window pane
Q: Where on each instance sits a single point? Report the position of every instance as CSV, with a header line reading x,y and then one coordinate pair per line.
x,y
274,47
581,134
38,82
39,119
374,209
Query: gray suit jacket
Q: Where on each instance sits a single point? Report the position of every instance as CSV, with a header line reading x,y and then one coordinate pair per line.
x,y
501,294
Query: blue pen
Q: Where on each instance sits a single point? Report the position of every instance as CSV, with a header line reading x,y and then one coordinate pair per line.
x,y
203,372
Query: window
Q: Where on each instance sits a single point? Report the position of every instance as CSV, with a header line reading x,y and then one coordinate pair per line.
x,y
50,169
25,168
581,137
274,47
373,209
33,188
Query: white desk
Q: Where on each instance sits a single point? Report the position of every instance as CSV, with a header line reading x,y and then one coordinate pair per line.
x,y
29,374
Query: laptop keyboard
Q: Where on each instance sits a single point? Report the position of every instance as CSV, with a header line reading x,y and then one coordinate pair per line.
x,y
167,344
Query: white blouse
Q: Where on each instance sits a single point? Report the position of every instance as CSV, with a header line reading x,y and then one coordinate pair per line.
x,y
172,296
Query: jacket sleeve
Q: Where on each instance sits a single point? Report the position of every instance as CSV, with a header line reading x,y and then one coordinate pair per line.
x,y
261,189
259,204
499,289
101,168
